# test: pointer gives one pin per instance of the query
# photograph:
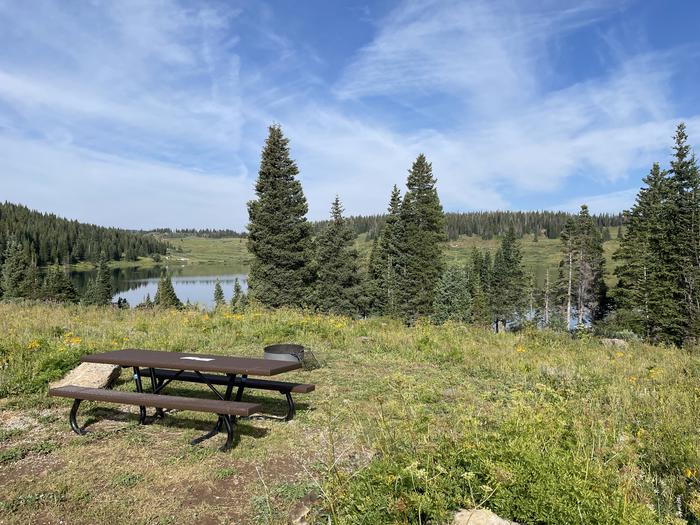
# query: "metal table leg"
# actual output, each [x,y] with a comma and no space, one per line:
[139,389]
[224,420]
[155,387]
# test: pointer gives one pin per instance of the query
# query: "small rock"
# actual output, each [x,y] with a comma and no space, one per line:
[299,511]
[94,375]
[364,339]
[621,343]
[479,517]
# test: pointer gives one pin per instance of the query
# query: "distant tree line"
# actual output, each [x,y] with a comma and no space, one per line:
[486,224]
[47,239]
[193,232]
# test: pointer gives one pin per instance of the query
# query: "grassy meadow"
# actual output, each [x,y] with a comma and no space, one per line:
[226,253]
[406,425]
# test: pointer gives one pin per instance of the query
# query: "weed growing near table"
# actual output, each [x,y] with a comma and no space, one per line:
[406,425]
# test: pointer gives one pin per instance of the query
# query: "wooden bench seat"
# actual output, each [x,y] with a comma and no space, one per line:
[283,387]
[225,409]
[215,406]
[217,379]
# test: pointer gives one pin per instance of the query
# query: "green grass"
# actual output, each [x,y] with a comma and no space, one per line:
[228,252]
[219,255]
[406,425]
[200,254]
[15,453]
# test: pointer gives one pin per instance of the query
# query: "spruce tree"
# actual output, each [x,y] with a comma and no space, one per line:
[219,300]
[386,262]
[338,286]
[644,297]
[146,303]
[508,281]
[373,282]
[452,299]
[279,234]
[14,270]
[32,283]
[237,299]
[165,295]
[582,289]
[478,270]
[58,286]
[684,231]
[99,291]
[423,232]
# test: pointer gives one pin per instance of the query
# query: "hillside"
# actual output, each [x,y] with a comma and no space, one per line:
[537,256]
[406,425]
[50,239]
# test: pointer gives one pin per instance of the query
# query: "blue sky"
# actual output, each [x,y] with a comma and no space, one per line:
[153,113]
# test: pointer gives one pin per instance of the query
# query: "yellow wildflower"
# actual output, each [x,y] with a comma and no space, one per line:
[519,348]
[33,344]
[691,472]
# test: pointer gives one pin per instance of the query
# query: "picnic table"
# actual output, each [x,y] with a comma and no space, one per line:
[212,370]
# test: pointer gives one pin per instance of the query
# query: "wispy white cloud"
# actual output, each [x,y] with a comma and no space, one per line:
[612,202]
[517,134]
[139,73]
[481,52]
[163,108]
[132,193]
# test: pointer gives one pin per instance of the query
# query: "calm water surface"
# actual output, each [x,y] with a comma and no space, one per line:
[192,283]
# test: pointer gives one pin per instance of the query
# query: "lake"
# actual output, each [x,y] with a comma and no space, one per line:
[194,283]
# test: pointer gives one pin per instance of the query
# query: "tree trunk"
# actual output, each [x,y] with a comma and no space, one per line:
[568,294]
[546,299]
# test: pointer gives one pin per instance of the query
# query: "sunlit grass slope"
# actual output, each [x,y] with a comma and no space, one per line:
[406,425]
[537,256]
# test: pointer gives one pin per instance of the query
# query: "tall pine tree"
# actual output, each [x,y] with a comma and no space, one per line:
[58,286]
[644,296]
[279,234]
[165,295]
[99,291]
[14,270]
[386,262]
[684,222]
[338,285]
[659,271]
[452,298]
[219,300]
[423,232]
[582,289]
[239,298]
[508,281]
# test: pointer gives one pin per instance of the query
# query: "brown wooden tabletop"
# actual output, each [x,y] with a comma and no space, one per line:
[199,362]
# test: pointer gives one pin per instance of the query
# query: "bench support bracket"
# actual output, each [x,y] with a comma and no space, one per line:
[73,416]
[229,422]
